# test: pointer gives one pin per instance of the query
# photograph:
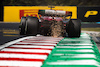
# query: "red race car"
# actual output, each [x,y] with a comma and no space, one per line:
[51,22]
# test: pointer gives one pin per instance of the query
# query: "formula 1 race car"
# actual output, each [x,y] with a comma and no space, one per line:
[51,22]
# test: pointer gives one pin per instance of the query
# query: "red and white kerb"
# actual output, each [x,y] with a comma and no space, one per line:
[27,52]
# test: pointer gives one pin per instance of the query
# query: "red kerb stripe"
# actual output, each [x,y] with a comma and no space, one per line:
[17,66]
[24,52]
[29,48]
[21,59]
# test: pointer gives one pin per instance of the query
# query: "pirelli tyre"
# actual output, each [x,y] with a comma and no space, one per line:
[22,26]
[74,28]
[32,25]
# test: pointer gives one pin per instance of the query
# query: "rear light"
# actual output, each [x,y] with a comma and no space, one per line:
[41,25]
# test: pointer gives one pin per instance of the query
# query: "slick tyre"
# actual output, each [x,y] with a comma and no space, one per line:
[74,28]
[32,25]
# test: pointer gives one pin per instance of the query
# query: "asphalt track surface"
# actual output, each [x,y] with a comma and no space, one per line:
[10,32]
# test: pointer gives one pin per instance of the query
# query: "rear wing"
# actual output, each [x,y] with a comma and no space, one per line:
[58,13]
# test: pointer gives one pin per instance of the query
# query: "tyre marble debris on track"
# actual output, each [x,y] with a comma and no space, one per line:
[40,51]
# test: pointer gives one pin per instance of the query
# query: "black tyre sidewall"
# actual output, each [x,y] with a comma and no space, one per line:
[74,28]
[22,26]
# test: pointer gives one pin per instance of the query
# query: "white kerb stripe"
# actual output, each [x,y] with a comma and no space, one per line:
[48,38]
[29,56]
[86,50]
[20,63]
[62,54]
[39,41]
[30,46]
[76,44]
[36,43]
[87,40]
[75,62]
[45,39]
[27,50]
[74,47]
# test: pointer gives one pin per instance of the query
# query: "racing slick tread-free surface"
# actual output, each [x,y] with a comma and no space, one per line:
[32,25]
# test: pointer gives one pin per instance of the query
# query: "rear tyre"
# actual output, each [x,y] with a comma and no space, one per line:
[32,25]
[22,26]
[74,28]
